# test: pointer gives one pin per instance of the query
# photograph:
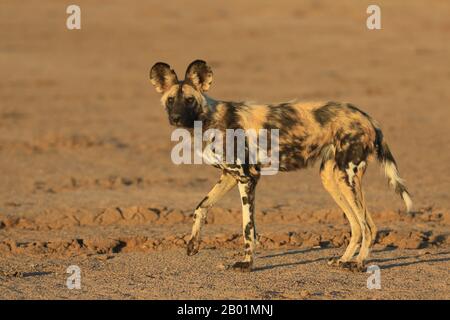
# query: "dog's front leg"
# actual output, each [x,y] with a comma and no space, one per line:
[247,191]
[225,183]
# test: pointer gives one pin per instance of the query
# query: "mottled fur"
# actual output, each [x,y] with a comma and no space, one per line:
[339,135]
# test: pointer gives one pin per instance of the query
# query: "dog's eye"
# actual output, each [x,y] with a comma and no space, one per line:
[170,100]
[189,100]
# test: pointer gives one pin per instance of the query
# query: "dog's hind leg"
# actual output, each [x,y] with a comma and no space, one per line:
[365,218]
[368,217]
[372,226]
[350,185]
[225,184]
[328,175]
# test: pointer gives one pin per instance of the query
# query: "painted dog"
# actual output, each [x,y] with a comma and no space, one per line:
[340,135]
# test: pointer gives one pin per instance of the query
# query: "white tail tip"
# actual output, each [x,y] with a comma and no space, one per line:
[408,201]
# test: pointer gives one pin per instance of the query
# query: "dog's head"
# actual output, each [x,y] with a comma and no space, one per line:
[183,100]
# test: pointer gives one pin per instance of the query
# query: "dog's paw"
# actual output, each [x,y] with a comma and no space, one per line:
[353,266]
[243,266]
[334,262]
[192,247]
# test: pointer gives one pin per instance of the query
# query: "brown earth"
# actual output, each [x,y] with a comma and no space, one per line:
[85,163]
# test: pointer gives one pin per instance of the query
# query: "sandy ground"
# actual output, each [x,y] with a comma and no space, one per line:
[86,174]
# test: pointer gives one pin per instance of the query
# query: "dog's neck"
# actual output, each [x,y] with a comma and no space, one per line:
[211,103]
[211,106]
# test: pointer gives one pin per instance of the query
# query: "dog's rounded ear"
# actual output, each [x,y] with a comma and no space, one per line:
[162,77]
[200,75]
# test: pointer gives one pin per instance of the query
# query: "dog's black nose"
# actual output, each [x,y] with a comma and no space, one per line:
[175,118]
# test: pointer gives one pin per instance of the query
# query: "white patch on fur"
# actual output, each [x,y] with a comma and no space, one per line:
[390,170]
[351,170]
[408,201]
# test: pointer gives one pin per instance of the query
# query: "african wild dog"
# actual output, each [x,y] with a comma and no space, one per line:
[340,135]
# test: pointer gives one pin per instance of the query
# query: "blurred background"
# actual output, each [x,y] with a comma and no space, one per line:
[86,176]
[81,126]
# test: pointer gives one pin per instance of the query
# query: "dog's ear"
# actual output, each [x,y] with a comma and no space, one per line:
[162,77]
[200,75]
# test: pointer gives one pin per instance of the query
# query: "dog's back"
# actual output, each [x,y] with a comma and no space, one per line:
[307,131]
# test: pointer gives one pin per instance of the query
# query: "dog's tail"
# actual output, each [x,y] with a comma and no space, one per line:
[386,158]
